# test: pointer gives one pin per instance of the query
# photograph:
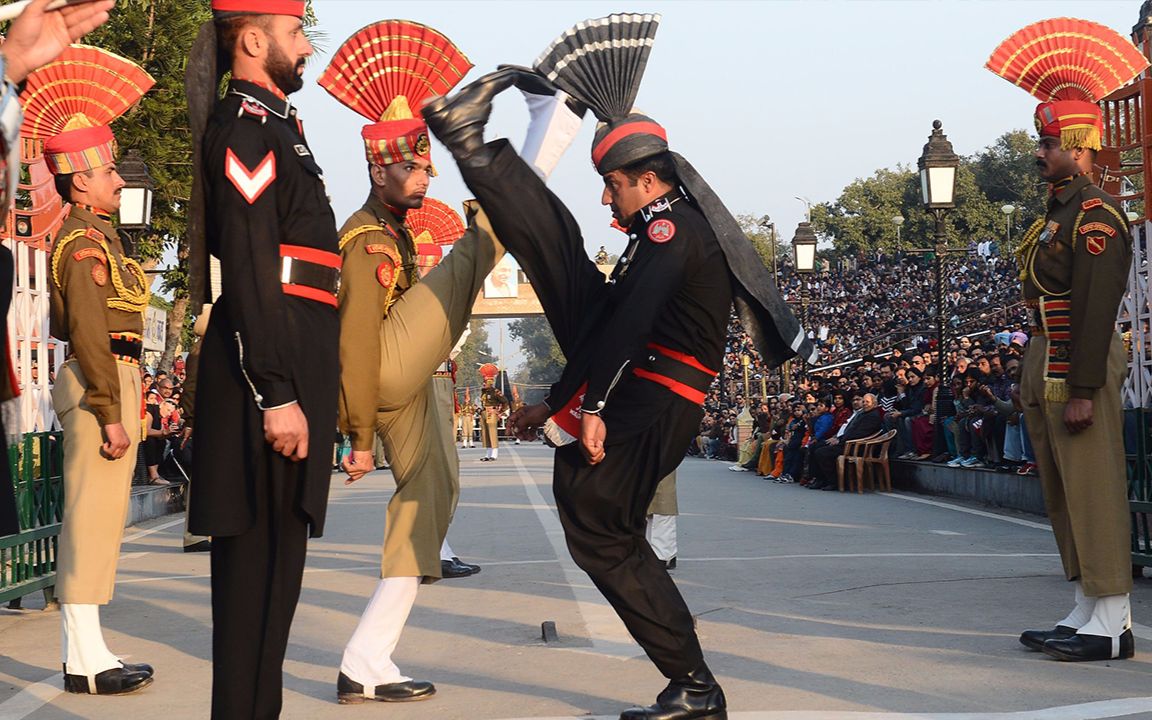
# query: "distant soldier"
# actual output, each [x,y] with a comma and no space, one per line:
[493,406]
[1074,266]
[98,300]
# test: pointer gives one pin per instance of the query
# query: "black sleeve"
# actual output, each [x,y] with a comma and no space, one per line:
[246,176]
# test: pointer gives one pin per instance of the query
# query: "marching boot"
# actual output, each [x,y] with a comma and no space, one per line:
[459,121]
[1066,628]
[1106,636]
[696,696]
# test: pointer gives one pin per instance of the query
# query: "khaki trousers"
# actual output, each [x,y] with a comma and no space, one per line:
[95,489]
[664,501]
[414,421]
[490,430]
[1083,476]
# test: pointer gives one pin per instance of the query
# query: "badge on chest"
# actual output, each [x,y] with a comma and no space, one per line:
[1048,235]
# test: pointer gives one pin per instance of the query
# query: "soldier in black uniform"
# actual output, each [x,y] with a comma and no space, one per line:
[269,373]
[642,352]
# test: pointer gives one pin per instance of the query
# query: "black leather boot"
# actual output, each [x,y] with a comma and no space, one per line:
[697,696]
[1087,648]
[116,681]
[459,121]
[350,692]
[1035,639]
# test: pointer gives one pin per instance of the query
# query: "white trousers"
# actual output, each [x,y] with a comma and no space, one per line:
[368,654]
[661,535]
[551,129]
[446,551]
[493,453]
[82,642]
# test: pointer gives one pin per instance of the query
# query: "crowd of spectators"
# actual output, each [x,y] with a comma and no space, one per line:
[163,444]
[880,370]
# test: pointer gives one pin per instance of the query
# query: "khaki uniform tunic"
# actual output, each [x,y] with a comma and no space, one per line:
[1074,265]
[395,330]
[664,501]
[493,405]
[95,291]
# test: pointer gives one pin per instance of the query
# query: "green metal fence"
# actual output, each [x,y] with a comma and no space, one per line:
[28,558]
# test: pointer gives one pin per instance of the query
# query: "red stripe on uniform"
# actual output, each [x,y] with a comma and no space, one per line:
[312,255]
[688,393]
[310,293]
[685,358]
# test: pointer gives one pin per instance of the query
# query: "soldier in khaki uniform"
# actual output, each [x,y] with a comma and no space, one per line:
[396,331]
[1074,266]
[98,298]
[493,405]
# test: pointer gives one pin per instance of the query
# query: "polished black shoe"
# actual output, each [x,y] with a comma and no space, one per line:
[116,681]
[459,121]
[471,566]
[1086,648]
[670,564]
[1035,639]
[696,696]
[451,569]
[138,667]
[202,546]
[349,692]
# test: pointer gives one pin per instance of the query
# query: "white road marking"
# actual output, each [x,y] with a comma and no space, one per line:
[1086,711]
[145,533]
[852,556]
[944,532]
[1142,631]
[32,698]
[605,630]
[970,511]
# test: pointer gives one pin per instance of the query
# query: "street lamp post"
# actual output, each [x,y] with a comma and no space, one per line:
[897,220]
[136,196]
[1008,210]
[938,166]
[770,227]
[804,258]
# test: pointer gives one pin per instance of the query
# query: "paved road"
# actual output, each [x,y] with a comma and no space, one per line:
[811,605]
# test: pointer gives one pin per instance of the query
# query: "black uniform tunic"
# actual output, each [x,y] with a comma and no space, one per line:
[673,290]
[263,349]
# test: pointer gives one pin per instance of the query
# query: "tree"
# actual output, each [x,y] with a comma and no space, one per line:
[761,238]
[1006,174]
[544,361]
[473,354]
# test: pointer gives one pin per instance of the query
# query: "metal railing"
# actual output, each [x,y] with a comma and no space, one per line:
[28,558]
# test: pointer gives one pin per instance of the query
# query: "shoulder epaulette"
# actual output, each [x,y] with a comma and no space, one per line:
[1091,203]
[62,243]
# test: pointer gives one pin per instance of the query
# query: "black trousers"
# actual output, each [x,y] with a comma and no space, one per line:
[256,580]
[602,507]
[824,463]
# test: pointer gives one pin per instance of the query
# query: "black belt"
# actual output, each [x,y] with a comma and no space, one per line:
[679,372]
[295,271]
[126,347]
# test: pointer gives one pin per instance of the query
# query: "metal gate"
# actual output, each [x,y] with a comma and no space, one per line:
[28,558]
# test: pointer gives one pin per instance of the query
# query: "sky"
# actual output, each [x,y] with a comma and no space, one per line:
[771,101]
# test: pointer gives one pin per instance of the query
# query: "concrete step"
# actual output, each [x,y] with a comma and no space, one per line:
[1003,490]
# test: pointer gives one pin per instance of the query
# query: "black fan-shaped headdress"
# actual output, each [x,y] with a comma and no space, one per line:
[601,63]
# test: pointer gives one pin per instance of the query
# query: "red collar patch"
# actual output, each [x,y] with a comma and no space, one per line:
[661,231]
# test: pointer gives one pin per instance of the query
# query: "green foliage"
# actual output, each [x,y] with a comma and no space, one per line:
[1006,172]
[473,354]
[543,359]
[761,237]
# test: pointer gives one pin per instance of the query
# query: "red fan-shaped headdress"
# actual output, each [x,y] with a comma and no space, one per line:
[1069,65]
[489,371]
[70,103]
[435,222]
[386,70]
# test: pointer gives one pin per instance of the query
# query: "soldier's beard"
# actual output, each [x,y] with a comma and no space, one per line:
[282,71]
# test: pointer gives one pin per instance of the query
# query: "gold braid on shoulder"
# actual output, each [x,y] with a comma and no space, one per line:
[1031,236]
[58,253]
[128,300]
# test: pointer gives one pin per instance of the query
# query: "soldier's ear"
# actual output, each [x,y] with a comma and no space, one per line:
[378,175]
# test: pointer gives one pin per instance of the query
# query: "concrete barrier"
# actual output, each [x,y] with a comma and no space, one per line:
[152,501]
[1003,490]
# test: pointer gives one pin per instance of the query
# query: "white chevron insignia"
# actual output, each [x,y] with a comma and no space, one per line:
[250,183]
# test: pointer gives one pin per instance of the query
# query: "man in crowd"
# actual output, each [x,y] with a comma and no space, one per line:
[867,421]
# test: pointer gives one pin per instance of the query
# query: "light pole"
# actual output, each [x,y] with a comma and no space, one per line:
[804,258]
[937,167]
[770,227]
[136,196]
[1008,210]
[897,220]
